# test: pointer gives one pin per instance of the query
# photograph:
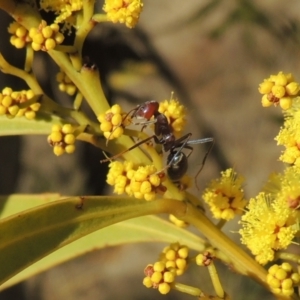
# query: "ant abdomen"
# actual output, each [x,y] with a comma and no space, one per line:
[178,166]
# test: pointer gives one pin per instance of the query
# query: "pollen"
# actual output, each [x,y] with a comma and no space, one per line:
[62,139]
[63,9]
[225,196]
[280,89]
[123,11]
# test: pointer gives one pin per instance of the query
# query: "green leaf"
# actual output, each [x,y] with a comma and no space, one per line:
[19,126]
[15,203]
[129,231]
[30,235]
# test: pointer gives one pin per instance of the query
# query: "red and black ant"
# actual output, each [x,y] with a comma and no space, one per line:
[177,161]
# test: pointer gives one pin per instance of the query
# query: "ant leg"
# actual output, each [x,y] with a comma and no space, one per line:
[129,149]
[108,139]
[201,141]
[209,140]
[131,113]
[145,123]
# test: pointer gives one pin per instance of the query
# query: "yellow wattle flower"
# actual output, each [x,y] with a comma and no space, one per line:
[123,11]
[225,196]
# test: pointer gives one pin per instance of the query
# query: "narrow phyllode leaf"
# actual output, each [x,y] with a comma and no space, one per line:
[19,126]
[15,203]
[29,235]
[142,229]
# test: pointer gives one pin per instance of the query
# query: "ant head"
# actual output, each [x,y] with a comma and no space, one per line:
[147,110]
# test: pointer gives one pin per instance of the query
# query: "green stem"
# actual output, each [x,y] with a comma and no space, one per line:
[288,256]
[77,101]
[221,223]
[27,77]
[183,288]
[28,59]
[95,140]
[86,25]
[240,260]
[87,81]
[76,61]
[49,106]
[222,257]
[194,200]
[66,49]
[100,18]
[215,280]
[88,10]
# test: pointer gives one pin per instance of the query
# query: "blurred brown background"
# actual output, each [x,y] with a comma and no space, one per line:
[212,55]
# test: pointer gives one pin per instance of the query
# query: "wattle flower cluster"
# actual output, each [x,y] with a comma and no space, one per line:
[113,121]
[62,139]
[225,196]
[17,104]
[123,11]
[45,37]
[175,113]
[141,182]
[279,89]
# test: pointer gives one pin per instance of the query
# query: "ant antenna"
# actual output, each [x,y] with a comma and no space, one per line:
[126,150]
[107,158]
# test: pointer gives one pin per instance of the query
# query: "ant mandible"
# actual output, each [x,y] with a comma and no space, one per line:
[177,160]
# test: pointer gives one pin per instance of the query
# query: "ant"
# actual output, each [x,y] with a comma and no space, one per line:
[177,161]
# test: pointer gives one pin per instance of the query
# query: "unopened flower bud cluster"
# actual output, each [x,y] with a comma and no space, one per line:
[20,36]
[282,279]
[175,256]
[279,89]
[206,258]
[62,139]
[65,84]
[141,182]
[10,103]
[113,121]
[159,276]
[45,37]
